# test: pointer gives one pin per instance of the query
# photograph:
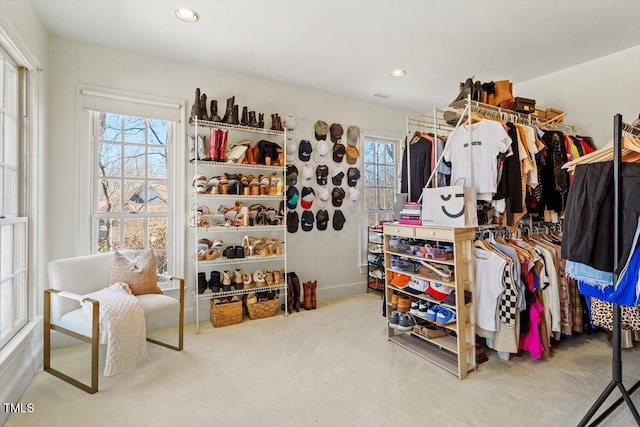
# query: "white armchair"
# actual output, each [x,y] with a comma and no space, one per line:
[69,280]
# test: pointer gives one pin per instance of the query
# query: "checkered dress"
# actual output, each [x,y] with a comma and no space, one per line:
[508,306]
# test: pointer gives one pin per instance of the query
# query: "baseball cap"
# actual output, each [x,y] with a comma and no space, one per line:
[322,172]
[292,197]
[354,195]
[322,219]
[292,221]
[307,174]
[438,290]
[337,196]
[336,132]
[352,155]
[307,197]
[307,221]
[305,150]
[290,123]
[338,220]
[292,148]
[323,197]
[338,152]
[322,149]
[353,175]
[292,175]
[353,133]
[321,128]
[336,176]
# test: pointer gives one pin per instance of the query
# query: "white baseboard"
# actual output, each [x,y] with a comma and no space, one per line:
[19,365]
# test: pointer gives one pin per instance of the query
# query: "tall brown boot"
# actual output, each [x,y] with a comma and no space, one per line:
[290,302]
[313,287]
[307,296]
[296,291]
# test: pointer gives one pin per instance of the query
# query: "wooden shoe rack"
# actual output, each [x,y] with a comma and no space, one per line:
[454,352]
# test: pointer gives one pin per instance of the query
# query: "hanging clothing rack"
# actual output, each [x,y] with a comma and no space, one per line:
[616,375]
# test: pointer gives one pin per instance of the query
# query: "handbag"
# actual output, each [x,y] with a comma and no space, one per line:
[452,206]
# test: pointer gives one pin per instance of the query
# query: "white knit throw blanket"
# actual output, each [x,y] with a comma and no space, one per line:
[122,327]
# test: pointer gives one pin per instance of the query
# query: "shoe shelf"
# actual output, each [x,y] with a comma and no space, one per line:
[249,259]
[375,240]
[237,196]
[238,128]
[455,352]
[211,163]
[208,294]
[248,229]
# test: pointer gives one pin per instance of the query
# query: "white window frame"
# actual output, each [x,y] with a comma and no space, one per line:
[93,98]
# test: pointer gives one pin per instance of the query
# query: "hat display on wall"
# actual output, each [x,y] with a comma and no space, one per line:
[338,220]
[352,155]
[322,172]
[307,174]
[323,197]
[336,176]
[322,219]
[292,221]
[353,134]
[337,196]
[292,197]
[322,149]
[306,222]
[292,175]
[338,152]
[305,150]
[307,196]
[353,175]
[336,132]
[321,129]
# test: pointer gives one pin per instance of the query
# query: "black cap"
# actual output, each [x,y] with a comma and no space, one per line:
[337,178]
[292,175]
[338,220]
[305,150]
[292,197]
[353,175]
[322,172]
[338,152]
[307,221]
[337,196]
[336,131]
[322,219]
[292,221]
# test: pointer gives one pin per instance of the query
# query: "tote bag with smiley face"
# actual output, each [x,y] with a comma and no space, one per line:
[453,206]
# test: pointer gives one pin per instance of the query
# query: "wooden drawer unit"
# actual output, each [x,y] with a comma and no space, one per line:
[399,230]
[434,233]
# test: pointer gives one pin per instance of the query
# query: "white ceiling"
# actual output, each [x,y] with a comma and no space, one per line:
[350,47]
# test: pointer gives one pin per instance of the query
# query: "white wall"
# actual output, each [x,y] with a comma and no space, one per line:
[592,93]
[21,358]
[330,257]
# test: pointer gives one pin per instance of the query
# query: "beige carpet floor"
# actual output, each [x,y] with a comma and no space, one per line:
[328,367]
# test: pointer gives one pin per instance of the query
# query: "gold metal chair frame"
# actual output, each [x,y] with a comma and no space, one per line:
[94,339]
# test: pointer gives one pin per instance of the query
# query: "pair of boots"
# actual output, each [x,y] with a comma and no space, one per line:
[293,292]
[199,108]
[248,118]
[309,301]
[213,283]
[218,144]
[276,122]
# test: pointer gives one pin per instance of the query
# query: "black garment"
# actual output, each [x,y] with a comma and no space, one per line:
[420,168]
[510,184]
[588,222]
[555,180]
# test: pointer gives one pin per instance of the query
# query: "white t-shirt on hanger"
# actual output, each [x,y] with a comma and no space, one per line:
[489,139]
[487,287]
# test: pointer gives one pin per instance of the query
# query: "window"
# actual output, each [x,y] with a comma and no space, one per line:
[14,284]
[131,206]
[380,178]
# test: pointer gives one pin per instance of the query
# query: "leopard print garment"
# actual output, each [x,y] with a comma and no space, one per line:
[602,315]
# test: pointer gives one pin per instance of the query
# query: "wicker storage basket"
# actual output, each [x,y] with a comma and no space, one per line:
[226,314]
[263,309]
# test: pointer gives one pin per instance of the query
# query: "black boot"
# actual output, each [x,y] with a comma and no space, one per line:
[228,115]
[214,111]
[245,116]
[236,117]
[261,120]
[203,107]
[296,291]
[466,89]
[214,282]
[195,108]
[202,282]
[252,119]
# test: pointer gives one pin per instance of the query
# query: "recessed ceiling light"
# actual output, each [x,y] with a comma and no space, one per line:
[398,73]
[187,15]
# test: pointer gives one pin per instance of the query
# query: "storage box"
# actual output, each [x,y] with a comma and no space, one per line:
[226,314]
[262,309]
[524,105]
[552,113]
[541,114]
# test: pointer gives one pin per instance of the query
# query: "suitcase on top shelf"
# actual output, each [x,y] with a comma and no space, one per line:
[524,105]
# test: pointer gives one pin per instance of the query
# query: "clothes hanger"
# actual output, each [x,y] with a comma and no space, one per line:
[630,154]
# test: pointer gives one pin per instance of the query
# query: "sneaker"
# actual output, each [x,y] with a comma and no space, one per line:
[394,319]
[423,306]
[406,323]
[445,316]
[414,308]
[432,312]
